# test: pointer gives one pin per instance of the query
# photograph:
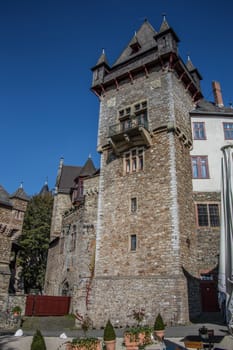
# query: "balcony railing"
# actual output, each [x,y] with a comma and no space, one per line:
[128,124]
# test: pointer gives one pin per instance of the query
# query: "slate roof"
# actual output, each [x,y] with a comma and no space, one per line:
[5,197]
[204,106]
[70,173]
[88,169]
[102,60]
[20,194]
[66,180]
[145,38]
[44,189]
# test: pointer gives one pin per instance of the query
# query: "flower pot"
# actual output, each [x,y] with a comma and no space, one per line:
[89,346]
[131,341]
[159,334]
[110,344]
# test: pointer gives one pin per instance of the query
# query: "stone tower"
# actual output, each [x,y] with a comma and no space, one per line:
[12,211]
[145,240]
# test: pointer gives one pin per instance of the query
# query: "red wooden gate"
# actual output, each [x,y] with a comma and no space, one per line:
[46,305]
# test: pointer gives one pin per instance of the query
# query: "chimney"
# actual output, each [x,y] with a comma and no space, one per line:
[217,94]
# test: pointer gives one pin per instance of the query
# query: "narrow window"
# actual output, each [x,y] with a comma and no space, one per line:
[200,167]
[133,204]
[133,242]
[134,160]
[214,215]
[140,159]
[228,131]
[202,215]
[199,131]
[127,163]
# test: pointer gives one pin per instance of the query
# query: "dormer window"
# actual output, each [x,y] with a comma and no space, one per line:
[135,46]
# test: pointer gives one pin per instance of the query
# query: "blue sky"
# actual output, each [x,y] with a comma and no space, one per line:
[47,49]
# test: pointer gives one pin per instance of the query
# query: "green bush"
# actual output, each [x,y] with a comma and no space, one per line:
[159,324]
[109,332]
[38,342]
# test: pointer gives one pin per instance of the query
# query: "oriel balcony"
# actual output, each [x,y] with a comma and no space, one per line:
[129,133]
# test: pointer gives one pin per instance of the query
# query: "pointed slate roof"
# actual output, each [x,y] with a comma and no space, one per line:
[20,194]
[88,169]
[144,37]
[44,189]
[66,179]
[165,28]
[190,65]
[4,197]
[102,60]
[164,25]
[191,68]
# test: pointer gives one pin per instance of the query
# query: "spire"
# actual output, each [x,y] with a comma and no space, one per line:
[164,25]
[88,169]
[20,193]
[102,59]
[189,64]
[45,188]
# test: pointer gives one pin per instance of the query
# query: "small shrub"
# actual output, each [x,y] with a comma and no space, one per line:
[159,324]
[109,332]
[38,342]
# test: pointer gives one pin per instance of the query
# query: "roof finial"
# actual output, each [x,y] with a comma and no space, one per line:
[21,184]
[89,156]
[164,16]
[103,51]
[46,180]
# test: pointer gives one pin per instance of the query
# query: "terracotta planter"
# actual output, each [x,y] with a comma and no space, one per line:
[110,344]
[144,338]
[131,341]
[70,346]
[159,334]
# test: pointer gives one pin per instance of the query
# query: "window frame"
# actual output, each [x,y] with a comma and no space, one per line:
[226,130]
[197,131]
[133,243]
[133,205]
[134,160]
[210,217]
[199,160]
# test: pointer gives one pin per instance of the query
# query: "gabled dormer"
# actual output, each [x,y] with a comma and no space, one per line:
[142,41]
[166,39]
[78,190]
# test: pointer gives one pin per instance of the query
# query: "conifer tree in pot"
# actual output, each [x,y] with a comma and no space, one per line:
[38,342]
[159,327]
[109,336]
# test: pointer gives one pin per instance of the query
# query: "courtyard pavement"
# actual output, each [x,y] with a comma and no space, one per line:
[174,337]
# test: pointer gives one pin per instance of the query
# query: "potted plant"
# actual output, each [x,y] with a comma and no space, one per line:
[16,310]
[139,335]
[84,343]
[203,332]
[109,336]
[159,327]
[38,341]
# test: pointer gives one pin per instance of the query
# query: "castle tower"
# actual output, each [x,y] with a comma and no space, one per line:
[145,224]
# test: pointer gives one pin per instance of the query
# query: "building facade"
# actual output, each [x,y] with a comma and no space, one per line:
[212,127]
[130,239]
[12,210]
